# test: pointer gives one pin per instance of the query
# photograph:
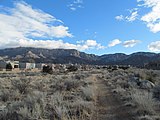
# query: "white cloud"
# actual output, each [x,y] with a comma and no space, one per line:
[78,1]
[75,5]
[73,8]
[148,3]
[24,22]
[132,17]
[60,31]
[94,44]
[53,44]
[120,17]
[130,43]
[80,42]
[50,44]
[90,44]
[152,19]
[28,27]
[154,46]
[114,43]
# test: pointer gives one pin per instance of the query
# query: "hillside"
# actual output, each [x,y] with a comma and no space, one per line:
[64,56]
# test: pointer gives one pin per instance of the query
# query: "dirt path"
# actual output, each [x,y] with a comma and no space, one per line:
[108,105]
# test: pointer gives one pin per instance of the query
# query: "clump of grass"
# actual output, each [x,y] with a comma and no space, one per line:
[88,93]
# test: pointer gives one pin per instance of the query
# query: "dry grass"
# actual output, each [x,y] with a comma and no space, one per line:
[44,96]
[142,101]
[72,96]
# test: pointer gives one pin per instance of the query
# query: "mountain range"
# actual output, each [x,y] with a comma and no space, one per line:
[65,56]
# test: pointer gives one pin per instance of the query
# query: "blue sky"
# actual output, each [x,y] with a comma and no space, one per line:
[99,27]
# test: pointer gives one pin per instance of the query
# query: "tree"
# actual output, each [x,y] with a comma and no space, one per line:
[9,66]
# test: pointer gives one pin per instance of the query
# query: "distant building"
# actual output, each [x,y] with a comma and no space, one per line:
[23,66]
[14,64]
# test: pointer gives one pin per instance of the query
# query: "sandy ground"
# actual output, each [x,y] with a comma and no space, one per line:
[109,106]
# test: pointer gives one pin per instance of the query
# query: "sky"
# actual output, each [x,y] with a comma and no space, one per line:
[91,26]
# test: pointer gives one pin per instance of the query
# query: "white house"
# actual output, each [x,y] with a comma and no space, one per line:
[26,66]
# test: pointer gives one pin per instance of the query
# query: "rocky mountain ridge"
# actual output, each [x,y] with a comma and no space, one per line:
[65,56]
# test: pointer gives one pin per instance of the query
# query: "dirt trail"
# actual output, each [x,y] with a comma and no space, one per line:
[108,105]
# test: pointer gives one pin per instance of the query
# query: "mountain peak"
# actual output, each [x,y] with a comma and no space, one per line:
[30,54]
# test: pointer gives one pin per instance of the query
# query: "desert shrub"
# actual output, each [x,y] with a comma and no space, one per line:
[15,106]
[57,99]
[35,113]
[144,101]
[147,75]
[119,90]
[88,93]
[137,75]
[9,66]
[146,84]
[57,107]
[47,69]
[156,92]
[11,112]
[25,113]
[38,85]
[34,106]
[78,77]
[38,111]
[58,112]
[58,86]
[71,84]
[16,95]
[10,116]
[72,68]
[81,109]
[21,84]
[4,95]
[151,76]
[31,108]
[64,77]
[35,97]
[38,96]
